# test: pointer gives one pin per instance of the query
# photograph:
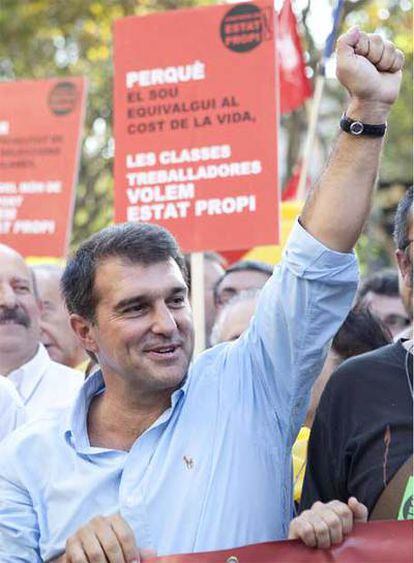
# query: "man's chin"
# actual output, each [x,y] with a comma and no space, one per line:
[14,335]
[168,376]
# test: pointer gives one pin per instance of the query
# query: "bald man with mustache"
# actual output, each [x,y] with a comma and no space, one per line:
[43,385]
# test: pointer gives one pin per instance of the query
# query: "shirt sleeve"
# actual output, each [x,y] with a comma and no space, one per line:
[299,311]
[19,533]
[12,411]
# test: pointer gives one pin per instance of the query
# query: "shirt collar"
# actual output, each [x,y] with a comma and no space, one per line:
[182,390]
[75,423]
[28,376]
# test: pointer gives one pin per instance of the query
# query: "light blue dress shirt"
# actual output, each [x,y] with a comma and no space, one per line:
[214,471]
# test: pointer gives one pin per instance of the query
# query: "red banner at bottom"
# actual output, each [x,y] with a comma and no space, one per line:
[374,541]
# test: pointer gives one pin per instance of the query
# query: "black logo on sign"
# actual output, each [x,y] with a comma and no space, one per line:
[245,26]
[62,98]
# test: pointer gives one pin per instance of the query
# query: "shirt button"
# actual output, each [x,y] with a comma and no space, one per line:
[130,502]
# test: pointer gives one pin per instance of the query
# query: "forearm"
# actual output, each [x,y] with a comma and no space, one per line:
[369,67]
[337,208]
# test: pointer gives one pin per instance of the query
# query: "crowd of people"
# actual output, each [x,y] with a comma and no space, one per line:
[117,445]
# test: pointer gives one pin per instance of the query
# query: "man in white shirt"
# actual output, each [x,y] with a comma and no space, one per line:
[12,412]
[43,385]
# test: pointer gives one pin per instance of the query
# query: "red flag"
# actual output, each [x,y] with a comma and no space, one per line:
[295,87]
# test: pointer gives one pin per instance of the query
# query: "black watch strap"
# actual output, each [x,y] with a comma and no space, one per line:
[357,128]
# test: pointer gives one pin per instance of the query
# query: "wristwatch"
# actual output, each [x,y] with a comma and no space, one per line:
[357,128]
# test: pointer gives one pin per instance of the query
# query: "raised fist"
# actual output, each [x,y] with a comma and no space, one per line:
[369,67]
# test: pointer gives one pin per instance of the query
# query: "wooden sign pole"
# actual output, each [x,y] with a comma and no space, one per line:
[197,301]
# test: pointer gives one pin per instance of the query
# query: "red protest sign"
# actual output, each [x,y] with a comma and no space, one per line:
[195,124]
[40,129]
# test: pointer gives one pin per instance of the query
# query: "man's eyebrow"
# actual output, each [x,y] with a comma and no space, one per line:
[148,297]
[179,289]
[136,300]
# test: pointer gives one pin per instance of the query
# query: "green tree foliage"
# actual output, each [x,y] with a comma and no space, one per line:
[45,38]
[41,38]
[393,19]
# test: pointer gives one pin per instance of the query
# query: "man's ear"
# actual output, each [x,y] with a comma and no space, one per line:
[404,265]
[83,329]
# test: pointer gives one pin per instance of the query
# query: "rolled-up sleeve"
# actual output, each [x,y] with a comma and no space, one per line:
[19,534]
[299,311]
[19,531]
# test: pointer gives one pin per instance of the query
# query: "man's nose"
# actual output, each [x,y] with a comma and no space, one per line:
[163,320]
[7,296]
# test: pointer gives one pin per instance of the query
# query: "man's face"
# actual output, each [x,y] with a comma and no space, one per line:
[56,333]
[405,263]
[19,310]
[236,320]
[143,330]
[212,273]
[389,309]
[235,282]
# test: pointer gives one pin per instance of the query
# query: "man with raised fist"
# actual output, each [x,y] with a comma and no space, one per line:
[162,455]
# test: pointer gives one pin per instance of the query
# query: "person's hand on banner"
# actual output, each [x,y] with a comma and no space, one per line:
[327,524]
[104,539]
[369,67]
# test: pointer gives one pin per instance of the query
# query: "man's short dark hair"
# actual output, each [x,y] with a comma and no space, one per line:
[211,256]
[403,219]
[138,243]
[250,265]
[383,282]
[361,332]
[244,266]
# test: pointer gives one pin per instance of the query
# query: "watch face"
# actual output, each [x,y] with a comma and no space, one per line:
[356,128]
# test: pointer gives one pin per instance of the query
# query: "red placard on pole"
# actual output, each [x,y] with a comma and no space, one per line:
[40,133]
[196,116]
